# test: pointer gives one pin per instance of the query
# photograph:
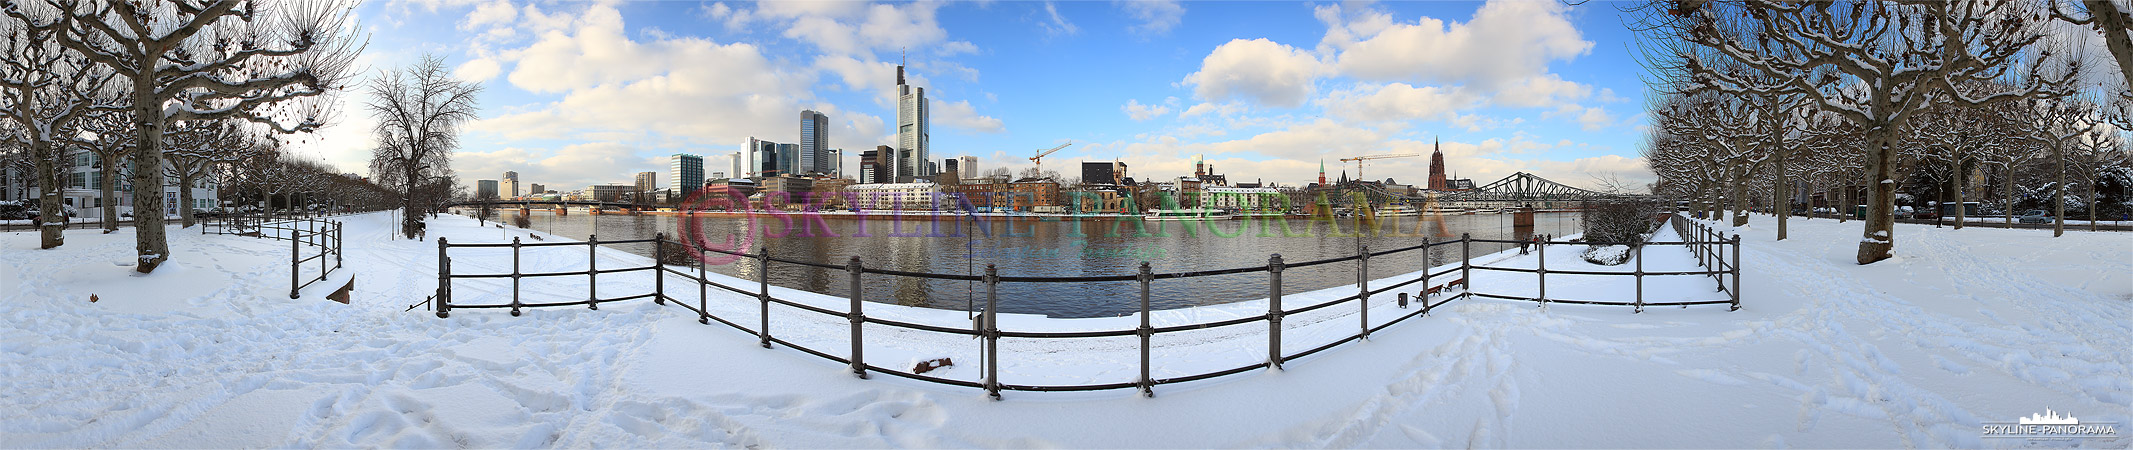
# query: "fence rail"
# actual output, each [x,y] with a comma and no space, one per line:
[324,236]
[986,324]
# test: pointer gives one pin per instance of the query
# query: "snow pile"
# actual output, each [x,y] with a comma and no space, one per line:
[1607,255]
[1972,326]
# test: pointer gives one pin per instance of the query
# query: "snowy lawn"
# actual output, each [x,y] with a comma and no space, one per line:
[1964,327]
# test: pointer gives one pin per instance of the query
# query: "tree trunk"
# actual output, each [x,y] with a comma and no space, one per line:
[1781,197]
[2059,193]
[2092,205]
[1879,234]
[1960,214]
[1740,199]
[2008,178]
[108,187]
[185,198]
[150,246]
[48,181]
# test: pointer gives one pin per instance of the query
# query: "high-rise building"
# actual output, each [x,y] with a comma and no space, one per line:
[762,159]
[647,181]
[535,189]
[484,189]
[870,167]
[948,166]
[789,160]
[685,173]
[508,188]
[814,154]
[738,170]
[969,167]
[911,157]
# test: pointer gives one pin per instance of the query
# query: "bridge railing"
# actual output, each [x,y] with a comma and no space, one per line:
[986,325]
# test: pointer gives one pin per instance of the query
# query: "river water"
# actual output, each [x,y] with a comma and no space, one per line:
[1029,246]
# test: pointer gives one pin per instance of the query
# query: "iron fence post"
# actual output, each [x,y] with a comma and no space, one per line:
[592,271]
[1541,249]
[444,280]
[703,302]
[514,276]
[1362,286]
[1273,311]
[858,317]
[1147,385]
[1639,275]
[1736,273]
[337,238]
[659,268]
[1428,257]
[762,295]
[1466,263]
[992,331]
[293,260]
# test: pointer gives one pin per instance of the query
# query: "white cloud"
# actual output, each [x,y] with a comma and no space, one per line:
[478,70]
[1055,24]
[1505,40]
[1595,119]
[496,12]
[1155,16]
[1541,91]
[1134,109]
[1260,70]
[1398,101]
[961,115]
[1228,108]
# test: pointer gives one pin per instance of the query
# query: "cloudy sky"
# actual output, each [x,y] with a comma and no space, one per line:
[577,93]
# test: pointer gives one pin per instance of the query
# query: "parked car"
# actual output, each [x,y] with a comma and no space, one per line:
[1924,214]
[2035,216]
[68,210]
[1903,212]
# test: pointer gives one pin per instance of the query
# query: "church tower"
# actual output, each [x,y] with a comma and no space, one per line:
[1321,172]
[1436,167]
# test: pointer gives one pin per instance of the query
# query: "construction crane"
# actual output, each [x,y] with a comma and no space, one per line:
[1359,161]
[1039,159]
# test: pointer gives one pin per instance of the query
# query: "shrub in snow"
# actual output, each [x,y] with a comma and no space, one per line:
[1619,220]
[522,221]
[1607,255]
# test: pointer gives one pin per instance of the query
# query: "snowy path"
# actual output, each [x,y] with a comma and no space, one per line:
[1964,327]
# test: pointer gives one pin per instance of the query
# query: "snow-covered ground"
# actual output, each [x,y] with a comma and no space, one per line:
[1962,328]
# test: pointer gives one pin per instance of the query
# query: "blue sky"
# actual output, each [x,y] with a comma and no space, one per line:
[578,93]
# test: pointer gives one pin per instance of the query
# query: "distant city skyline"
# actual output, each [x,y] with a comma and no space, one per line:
[584,93]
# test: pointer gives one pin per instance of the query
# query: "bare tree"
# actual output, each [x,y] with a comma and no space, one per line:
[109,135]
[43,88]
[2108,17]
[1874,62]
[2059,124]
[195,148]
[419,112]
[190,60]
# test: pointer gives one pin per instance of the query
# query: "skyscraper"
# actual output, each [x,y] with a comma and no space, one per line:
[911,158]
[814,143]
[484,189]
[949,166]
[969,167]
[738,166]
[762,159]
[685,172]
[535,189]
[789,160]
[509,187]
[870,168]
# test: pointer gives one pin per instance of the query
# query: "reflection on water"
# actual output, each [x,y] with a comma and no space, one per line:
[1052,247]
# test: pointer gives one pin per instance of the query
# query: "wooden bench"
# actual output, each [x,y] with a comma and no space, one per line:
[1434,290]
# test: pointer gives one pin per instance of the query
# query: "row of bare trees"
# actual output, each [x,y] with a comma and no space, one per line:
[1753,98]
[162,85]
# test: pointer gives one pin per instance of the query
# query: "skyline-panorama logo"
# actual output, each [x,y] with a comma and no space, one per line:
[2050,426]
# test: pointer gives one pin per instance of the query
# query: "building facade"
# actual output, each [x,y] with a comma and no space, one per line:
[508,186]
[895,196]
[685,172]
[646,181]
[485,189]
[814,156]
[535,189]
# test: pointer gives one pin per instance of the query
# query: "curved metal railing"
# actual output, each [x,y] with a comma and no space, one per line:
[986,324]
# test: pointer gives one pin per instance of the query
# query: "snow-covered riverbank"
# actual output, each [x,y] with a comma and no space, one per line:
[1964,327]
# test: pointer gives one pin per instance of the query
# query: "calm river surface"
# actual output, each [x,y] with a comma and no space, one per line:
[1052,247]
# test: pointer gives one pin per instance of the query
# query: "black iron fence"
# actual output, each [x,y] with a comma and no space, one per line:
[321,235]
[1701,242]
